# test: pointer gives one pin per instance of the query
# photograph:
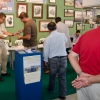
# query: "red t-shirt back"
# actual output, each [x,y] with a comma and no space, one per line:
[88,48]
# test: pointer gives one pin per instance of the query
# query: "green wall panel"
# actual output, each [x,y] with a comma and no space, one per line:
[60,12]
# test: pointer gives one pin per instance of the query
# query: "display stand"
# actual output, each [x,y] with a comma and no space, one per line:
[28,80]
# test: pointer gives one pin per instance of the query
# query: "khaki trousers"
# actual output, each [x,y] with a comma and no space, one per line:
[89,93]
[3,58]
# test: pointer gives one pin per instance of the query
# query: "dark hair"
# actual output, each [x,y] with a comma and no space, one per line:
[2,15]
[51,26]
[77,31]
[22,15]
[57,19]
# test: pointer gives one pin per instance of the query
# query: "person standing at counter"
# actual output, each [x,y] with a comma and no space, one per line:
[76,36]
[29,32]
[3,51]
[63,28]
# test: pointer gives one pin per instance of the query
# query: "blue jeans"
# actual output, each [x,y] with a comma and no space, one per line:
[58,65]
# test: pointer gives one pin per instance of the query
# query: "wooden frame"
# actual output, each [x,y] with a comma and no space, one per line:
[68,13]
[22,7]
[70,23]
[37,10]
[43,25]
[78,16]
[20,0]
[9,22]
[52,1]
[51,11]
[78,3]
[69,3]
[79,26]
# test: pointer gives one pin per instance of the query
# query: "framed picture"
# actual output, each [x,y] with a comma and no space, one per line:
[70,23]
[68,13]
[79,26]
[69,3]
[79,16]
[21,0]
[9,21]
[37,10]
[52,1]
[78,4]
[43,25]
[51,11]
[22,7]
[89,13]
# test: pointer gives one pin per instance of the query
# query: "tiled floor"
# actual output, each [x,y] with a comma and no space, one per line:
[70,97]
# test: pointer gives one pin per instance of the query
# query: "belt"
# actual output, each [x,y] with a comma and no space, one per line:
[59,56]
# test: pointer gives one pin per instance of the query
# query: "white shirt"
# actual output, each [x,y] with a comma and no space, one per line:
[63,28]
[55,45]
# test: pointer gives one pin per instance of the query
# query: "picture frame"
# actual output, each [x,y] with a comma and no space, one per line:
[89,13]
[79,17]
[43,25]
[37,10]
[20,0]
[9,22]
[68,12]
[51,11]
[52,1]
[78,3]
[69,3]
[70,23]
[79,26]
[22,7]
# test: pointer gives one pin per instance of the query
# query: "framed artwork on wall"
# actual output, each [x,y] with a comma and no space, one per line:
[22,7]
[51,11]
[70,23]
[52,1]
[69,3]
[20,0]
[9,22]
[78,16]
[37,10]
[79,26]
[43,25]
[89,13]
[78,4]
[68,13]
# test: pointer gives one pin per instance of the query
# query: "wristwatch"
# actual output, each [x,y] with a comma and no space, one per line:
[79,73]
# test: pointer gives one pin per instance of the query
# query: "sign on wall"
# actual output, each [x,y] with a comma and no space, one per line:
[36,1]
[6,5]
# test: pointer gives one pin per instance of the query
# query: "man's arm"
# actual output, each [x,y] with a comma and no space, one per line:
[73,58]
[27,37]
[46,51]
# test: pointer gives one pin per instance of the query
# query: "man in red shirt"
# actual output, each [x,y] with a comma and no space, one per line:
[87,49]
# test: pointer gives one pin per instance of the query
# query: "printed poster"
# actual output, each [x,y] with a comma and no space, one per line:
[6,6]
[32,69]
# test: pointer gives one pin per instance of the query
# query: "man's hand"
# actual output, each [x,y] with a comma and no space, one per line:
[81,82]
[2,37]
[46,63]
[16,34]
